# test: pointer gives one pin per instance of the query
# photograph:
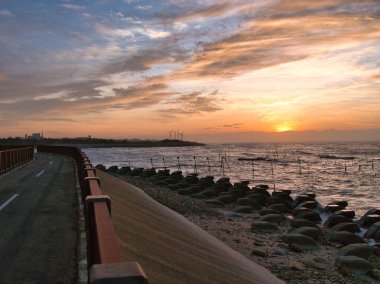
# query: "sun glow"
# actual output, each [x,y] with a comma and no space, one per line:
[283,128]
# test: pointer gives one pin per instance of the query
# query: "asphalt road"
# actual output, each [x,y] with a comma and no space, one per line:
[38,222]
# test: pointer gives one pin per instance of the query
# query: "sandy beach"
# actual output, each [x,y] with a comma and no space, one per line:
[234,230]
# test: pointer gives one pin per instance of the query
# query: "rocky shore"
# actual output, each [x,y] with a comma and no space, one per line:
[295,238]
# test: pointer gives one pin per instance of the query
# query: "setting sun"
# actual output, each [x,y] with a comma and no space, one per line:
[283,128]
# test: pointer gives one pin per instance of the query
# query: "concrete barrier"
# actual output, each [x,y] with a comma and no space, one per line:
[105,259]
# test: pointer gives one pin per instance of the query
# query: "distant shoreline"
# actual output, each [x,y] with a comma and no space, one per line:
[102,143]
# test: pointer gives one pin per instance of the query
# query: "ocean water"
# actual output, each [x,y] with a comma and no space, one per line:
[348,171]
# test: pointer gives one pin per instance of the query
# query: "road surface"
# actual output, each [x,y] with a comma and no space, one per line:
[38,222]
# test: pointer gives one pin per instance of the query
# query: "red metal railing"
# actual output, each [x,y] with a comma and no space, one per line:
[104,256]
[12,157]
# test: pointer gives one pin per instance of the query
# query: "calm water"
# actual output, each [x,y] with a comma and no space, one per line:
[296,166]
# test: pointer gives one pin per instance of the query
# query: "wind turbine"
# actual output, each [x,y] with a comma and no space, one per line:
[170,134]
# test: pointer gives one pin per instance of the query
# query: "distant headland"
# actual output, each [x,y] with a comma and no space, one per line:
[88,142]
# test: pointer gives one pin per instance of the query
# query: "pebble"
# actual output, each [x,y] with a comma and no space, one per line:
[295,265]
[259,252]
[280,251]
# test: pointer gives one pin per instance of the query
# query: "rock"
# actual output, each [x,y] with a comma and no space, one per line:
[273,218]
[243,209]
[302,198]
[353,265]
[261,199]
[332,220]
[296,223]
[215,202]
[331,208]
[100,167]
[348,227]
[283,195]
[368,220]
[226,198]
[223,180]
[191,179]
[311,216]
[124,170]
[114,169]
[197,196]
[233,215]
[344,238]
[375,274]
[373,232]
[314,264]
[295,265]
[259,252]
[280,207]
[341,203]
[185,191]
[299,210]
[259,190]
[280,251]
[264,227]
[298,242]
[359,250]
[247,201]
[209,193]
[311,232]
[278,200]
[346,213]
[309,204]
[222,187]
[267,211]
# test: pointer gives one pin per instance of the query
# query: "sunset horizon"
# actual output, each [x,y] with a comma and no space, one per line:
[123,69]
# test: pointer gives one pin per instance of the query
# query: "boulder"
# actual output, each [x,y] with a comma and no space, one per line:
[368,220]
[223,180]
[195,188]
[243,209]
[375,274]
[311,216]
[209,192]
[341,203]
[331,208]
[262,199]
[353,265]
[100,167]
[309,204]
[373,232]
[246,201]
[222,187]
[349,227]
[273,218]
[279,200]
[280,207]
[346,213]
[114,169]
[332,220]
[360,250]
[259,252]
[191,179]
[299,242]
[134,171]
[302,198]
[299,210]
[283,195]
[215,202]
[185,191]
[124,170]
[264,227]
[197,196]
[310,232]
[226,198]
[267,211]
[344,238]
[146,173]
[297,223]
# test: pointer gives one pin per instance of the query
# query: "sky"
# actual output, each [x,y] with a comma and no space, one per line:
[215,70]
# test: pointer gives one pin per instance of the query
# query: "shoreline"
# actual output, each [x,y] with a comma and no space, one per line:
[267,250]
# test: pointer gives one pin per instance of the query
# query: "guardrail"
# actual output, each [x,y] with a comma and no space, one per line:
[105,259]
[12,157]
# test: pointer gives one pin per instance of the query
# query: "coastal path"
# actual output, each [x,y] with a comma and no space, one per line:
[38,221]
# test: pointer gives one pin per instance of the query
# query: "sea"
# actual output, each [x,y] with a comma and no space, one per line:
[334,171]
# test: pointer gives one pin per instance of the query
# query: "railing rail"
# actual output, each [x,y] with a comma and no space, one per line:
[12,157]
[104,256]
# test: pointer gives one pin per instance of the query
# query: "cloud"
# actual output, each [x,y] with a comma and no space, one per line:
[285,32]
[143,7]
[193,103]
[113,32]
[5,13]
[72,6]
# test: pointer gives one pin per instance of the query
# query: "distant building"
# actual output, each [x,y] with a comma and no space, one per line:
[36,136]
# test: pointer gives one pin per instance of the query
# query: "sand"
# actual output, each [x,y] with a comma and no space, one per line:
[170,248]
